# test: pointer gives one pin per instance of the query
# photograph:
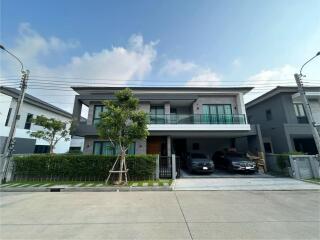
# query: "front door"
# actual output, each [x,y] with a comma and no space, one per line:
[157,145]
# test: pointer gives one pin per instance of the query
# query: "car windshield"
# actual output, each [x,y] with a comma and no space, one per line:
[235,154]
[198,155]
[237,157]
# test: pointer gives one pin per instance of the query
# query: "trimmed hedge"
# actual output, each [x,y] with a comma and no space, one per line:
[80,167]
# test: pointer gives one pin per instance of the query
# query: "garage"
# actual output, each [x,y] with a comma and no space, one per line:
[186,149]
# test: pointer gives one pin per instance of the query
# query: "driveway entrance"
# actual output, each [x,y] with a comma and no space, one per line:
[223,174]
[243,184]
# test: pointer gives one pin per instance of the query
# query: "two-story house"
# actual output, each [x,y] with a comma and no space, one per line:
[31,107]
[181,119]
[283,121]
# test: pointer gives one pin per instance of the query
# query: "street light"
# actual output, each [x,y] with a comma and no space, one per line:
[7,152]
[3,48]
[318,54]
[312,124]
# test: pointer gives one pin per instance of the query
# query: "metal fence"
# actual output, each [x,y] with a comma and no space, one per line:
[168,165]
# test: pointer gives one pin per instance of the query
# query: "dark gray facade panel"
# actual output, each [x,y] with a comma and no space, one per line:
[22,145]
[274,128]
[284,124]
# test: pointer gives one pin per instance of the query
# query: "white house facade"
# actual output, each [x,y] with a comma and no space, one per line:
[31,108]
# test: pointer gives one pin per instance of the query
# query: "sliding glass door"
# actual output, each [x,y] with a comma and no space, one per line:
[216,113]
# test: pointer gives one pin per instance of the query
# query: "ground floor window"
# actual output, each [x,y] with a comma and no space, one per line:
[267,147]
[106,148]
[42,149]
[305,145]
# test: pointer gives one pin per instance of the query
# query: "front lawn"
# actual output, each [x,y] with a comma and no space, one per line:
[313,180]
[145,183]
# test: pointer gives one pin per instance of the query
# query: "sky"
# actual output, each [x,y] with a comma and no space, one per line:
[158,43]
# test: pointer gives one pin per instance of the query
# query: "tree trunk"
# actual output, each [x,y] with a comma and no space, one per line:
[51,148]
[122,160]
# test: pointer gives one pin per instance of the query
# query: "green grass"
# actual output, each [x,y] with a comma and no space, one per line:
[51,183]
[151,182]
[313,180]
[95,183]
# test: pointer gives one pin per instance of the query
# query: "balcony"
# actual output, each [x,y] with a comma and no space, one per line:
[197,119]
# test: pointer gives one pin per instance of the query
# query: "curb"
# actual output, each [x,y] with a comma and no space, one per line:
[86,189]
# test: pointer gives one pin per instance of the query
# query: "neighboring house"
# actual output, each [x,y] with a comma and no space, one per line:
[31,107]
[283,121]
[182,120]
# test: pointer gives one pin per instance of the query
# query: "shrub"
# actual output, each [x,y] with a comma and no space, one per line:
[282,161]
[80,167]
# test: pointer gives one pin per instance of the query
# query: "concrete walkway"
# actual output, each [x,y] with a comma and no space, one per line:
[244,184]
[161,215]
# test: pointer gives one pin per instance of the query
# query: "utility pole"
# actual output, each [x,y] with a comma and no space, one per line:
[312,123]
[9,146]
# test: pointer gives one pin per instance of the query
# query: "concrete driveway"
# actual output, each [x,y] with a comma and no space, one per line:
[243,184]
[161,215]
[223,174]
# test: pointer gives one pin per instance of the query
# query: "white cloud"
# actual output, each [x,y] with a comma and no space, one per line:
[30,44]
[268,79]
[196,74]
[177,66]
[204,78]
[117,65]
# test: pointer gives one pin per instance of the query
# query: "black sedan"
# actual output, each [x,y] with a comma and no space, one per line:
[234,161]
[198,162]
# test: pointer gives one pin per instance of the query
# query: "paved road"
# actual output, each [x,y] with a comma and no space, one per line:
[161,215]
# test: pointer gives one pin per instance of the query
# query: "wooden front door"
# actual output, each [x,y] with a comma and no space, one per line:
[157,145]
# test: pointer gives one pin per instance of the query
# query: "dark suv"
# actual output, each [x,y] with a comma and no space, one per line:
[234,161]
[199,162]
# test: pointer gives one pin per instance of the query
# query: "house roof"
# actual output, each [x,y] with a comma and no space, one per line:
[277,90]
[81,89]
[34,101]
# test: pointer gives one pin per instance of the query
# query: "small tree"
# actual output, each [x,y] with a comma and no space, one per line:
[53,130]
[122,123]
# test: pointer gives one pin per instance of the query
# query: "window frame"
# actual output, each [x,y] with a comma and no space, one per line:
[8,117]
[216,106]
[268,113]
[156,118]
[114,150]
[217,113]
[96,120]
[28,123]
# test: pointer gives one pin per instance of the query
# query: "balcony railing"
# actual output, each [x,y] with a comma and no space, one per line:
[197,119]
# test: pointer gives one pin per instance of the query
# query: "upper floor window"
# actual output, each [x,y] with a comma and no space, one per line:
[217,109]
[157,114]
[268,115]
[157,110]
[96,113]
[300,113]
[215,113]
[28,122]
[8,117]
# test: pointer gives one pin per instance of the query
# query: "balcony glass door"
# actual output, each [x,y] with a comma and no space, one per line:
[157,115]
[216,113]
